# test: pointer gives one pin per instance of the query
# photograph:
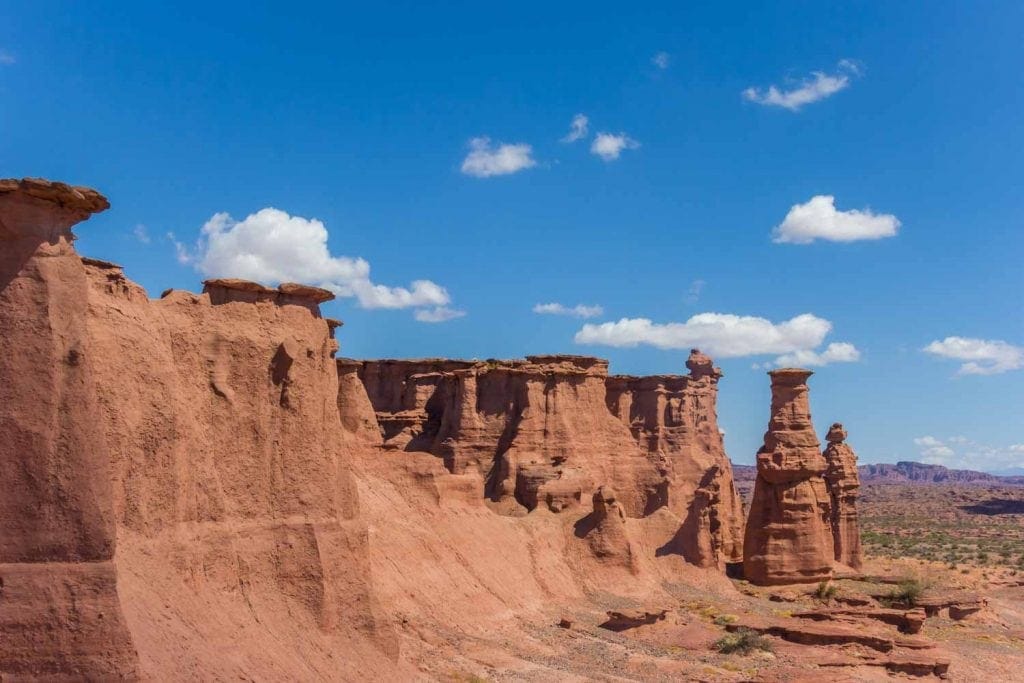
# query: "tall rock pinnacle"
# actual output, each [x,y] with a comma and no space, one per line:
[788,537]
[843,487]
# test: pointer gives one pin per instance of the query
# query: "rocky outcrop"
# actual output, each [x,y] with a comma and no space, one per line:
[843,488]
[605,531]
[549,430]
[180,456]
[59,610]
[230,463]
[674,418]
[788,537]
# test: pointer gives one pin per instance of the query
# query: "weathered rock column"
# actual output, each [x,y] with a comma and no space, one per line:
[843,486]
[788,537]
[60,617]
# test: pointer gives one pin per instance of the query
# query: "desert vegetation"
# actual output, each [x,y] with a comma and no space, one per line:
[962,526]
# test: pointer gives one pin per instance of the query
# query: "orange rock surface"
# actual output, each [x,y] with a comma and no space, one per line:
[843,487]
[788,535]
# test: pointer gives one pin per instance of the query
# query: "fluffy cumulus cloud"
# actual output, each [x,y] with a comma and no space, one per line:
[578,128]
[980,356]
[963,453]
[661,60]
[724,336]
[578,311]
[271,246]
[807,91]
[485,160]
[819,219]
[609,146]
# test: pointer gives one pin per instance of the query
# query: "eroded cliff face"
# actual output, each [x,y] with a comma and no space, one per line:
[198,488]
[674,418]
[59,609]
[843,487]
[550,430]
[788,535]
[230,465]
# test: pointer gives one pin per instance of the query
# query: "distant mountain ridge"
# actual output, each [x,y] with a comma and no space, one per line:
[904,472]
[919,472]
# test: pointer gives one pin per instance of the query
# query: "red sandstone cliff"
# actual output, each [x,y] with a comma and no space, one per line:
[550,430]
[674,418]
[199,489]
[59,609]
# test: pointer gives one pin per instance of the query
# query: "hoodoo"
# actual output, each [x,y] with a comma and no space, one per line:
[788,536]
[843,487]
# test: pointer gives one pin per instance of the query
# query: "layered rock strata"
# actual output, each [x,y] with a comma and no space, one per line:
[788,536]
[843,487]
[549,430]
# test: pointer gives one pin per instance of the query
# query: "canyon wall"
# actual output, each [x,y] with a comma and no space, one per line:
[550,430]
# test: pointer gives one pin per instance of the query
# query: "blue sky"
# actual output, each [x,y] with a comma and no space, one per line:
[430,144]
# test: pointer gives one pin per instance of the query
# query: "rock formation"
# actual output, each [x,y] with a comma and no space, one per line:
[195,487]
[186,446]
[843,487]
[550,430]
[788,537]
[674,418]
[59,610]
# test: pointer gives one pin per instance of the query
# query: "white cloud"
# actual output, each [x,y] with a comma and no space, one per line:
[661,60]
[484,161]
[181,251]
[837,352]
[579,310]
[983,356]
[578,129]
[719,334]
[609,146]
[141,234]
[438,314]
[819,219]
[962,453]
[819,86]
[6,58]
[694,292]
[271,246]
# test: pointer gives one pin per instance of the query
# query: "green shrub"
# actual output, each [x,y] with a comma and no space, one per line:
[825,591]
[907,592]
[743,641]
